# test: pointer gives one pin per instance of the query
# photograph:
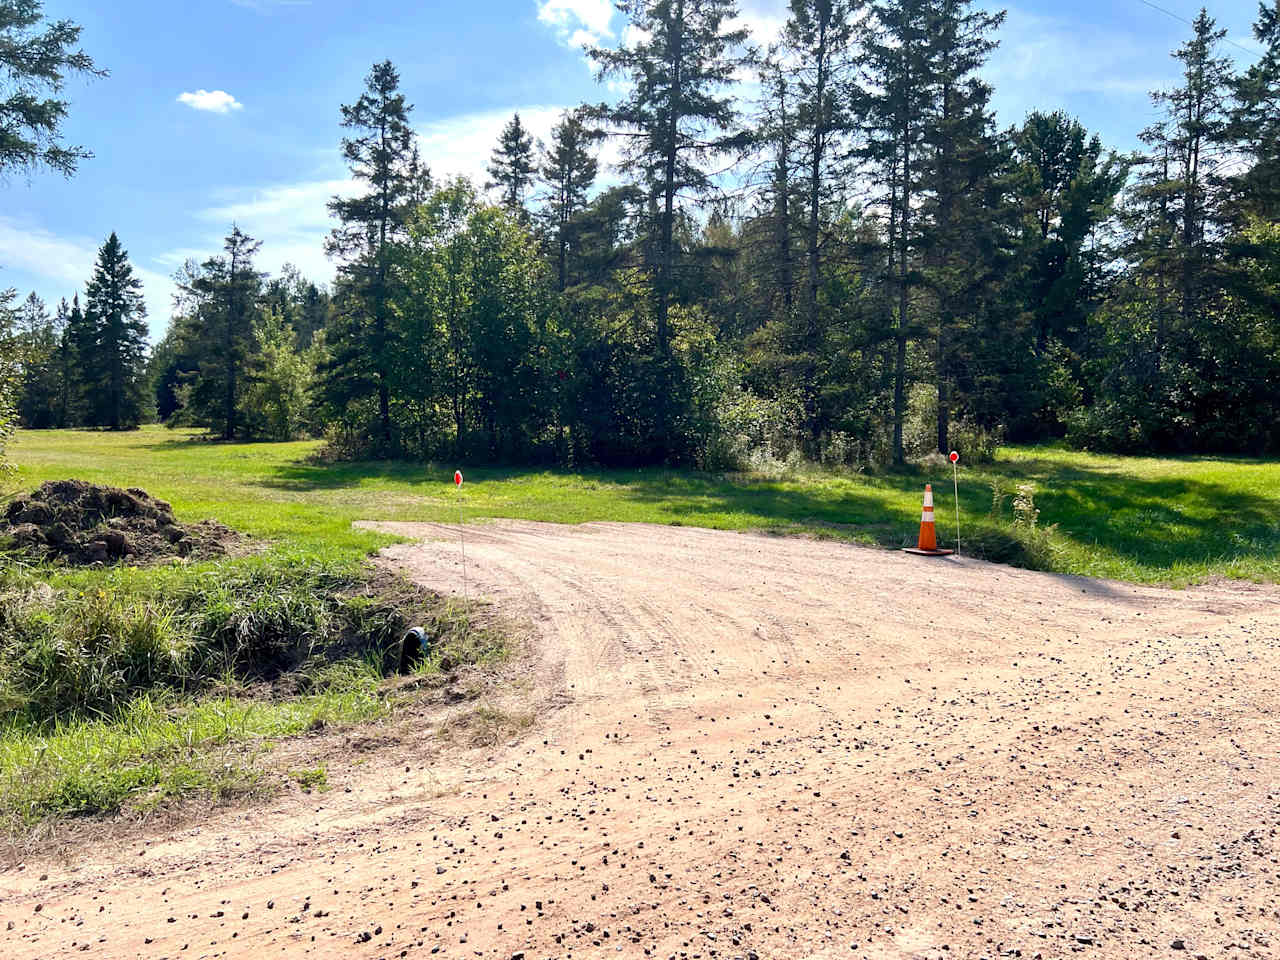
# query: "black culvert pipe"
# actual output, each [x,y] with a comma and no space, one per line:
[413,648]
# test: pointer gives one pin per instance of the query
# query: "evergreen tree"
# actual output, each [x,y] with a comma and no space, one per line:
[219,335]
[36,57]
[779,191]
[1067,186]
[818,43]
[898,59]
[1255,121]
[64,363]
[965,179]
[365,347]
[80,351]
[38,355]
[1191,138]
[115,311]
[9,374]
[512,167]
[678,113]
[568,171]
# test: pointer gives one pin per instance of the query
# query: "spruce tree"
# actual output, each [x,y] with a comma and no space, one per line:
[9,374]
[568,171]
[37,56]
[115,311]
[776,135]
[381,152]
[1254,126]
[966,179]
[38,355]
[818,42]
[80,352]
[677,115]
[219,336]
[64,409]
[898,60]
[512,166]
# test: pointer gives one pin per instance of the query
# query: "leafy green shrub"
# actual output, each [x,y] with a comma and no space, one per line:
[1108,426]
[975,444]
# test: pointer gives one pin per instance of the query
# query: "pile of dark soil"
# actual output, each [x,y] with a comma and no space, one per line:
[83,523]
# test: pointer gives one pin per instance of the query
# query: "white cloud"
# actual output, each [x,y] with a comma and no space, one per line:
[61,266]
[212,101]
[292,219]
[764,21]
[578,22]
[461,145]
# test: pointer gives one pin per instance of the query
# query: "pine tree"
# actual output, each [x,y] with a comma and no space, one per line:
[365,348]
[818,41]
[38,354]
[968,215]
[115,311]
[677,115]
[1255,122]
[219,335]
[511,166]
[898,59]
[36,57]
[568,171]
[1192,138]
[80,350]
[1068,185]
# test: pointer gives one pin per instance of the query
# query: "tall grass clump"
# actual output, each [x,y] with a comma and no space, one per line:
[88,653]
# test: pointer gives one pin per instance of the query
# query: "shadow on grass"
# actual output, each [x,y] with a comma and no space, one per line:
[1153,523]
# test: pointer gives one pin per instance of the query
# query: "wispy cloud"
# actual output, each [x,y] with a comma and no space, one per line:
[211,101]
[1044,62]
[578,22]
[61,266]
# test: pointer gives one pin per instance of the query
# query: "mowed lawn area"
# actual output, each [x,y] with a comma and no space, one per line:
[1142,519]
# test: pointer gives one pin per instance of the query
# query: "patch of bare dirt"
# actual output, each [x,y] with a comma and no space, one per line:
[75,522]
[751,746]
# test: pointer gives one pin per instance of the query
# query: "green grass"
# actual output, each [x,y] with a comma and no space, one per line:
[141,653]
[155,750]
[1150,520]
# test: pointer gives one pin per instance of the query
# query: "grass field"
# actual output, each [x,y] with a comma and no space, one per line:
[77,739]
[1141,519]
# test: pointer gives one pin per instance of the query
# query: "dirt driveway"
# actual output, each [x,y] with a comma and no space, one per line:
[750,746]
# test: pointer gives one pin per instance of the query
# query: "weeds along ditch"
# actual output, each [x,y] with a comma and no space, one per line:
[130,685]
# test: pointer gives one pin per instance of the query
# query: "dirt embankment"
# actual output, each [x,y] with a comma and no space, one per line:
[761,747]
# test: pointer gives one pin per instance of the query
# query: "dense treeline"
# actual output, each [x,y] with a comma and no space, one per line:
[826,247]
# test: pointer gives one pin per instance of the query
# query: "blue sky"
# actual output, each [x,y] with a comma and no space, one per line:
[222,110]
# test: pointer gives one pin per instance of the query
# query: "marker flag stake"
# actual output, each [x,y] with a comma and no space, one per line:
[462,540]
[955,480]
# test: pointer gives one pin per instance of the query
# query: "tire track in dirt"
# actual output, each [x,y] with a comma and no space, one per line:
[763,747]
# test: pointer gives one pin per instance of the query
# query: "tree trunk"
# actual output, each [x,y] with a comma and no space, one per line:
[900,365]
[944,392]
[666,251]
[815,199]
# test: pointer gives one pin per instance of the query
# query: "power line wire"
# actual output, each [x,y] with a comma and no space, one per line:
[1170,13]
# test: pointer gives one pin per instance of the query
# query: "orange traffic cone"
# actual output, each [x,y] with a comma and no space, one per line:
[927,545]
